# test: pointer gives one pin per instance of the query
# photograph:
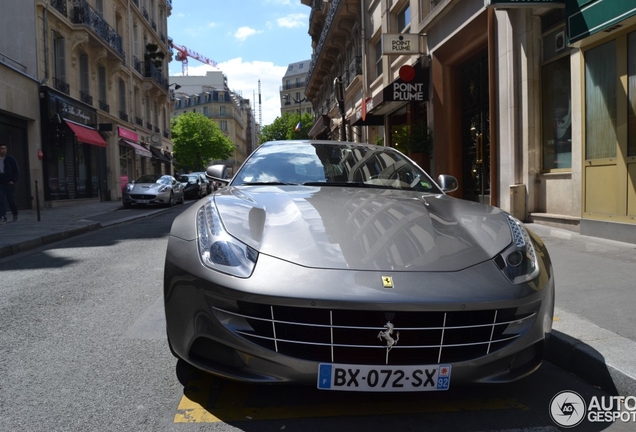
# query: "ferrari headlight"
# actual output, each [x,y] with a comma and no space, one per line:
[163,188]
[219,250]
[129,187]
[519,262]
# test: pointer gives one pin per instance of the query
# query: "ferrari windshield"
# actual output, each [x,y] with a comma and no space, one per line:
[327,164]
[154,178]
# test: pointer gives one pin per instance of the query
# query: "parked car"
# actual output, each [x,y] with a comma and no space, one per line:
[153,189]
[208,183]
[194,186]
[347,266]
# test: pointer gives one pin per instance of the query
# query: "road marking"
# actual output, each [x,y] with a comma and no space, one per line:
[217,402]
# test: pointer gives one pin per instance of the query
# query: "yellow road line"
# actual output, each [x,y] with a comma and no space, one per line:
[229,407]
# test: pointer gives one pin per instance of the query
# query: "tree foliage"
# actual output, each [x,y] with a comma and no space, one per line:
[197,141]
[284,127]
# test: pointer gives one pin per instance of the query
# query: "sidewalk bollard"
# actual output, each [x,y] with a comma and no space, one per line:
[37,200]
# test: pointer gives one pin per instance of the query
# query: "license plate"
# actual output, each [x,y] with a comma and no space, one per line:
[369,378]
[143,201]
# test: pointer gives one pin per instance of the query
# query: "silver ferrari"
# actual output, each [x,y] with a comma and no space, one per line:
[346,266]
[153,189]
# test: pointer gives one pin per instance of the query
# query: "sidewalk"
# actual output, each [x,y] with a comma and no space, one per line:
[594,329]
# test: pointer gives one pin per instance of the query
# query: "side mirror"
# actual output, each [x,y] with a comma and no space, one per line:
[447,183]
[217,173]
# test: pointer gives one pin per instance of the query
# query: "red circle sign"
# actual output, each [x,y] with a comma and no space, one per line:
[40,154]
[407,73]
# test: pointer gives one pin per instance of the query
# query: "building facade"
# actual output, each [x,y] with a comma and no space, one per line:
[210,96]
[292,90]
[518,95]
[102,96]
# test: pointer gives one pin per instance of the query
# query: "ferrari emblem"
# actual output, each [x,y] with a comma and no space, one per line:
[387,281]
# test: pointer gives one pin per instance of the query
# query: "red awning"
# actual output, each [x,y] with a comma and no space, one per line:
[139,149]
[86,135]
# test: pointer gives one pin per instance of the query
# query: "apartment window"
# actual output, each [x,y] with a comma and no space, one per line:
[156,113]
[148,114]
[404,18]
[557,114]
[222,111]
[59,54]
[122,96]
[83,73]
[221,97]
[206,111]
[378,58]
[223,125]
[99,7]
[101,83]
[600,101]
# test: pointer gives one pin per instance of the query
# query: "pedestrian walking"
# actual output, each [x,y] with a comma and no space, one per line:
[9,174]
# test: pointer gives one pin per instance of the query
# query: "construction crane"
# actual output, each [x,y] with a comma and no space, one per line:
[182,55]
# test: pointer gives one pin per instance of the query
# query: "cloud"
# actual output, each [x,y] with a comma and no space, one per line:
[244,32]
[243,78]
[293,21]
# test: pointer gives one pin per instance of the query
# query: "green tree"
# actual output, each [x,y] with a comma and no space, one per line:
[284,127]
[197,141]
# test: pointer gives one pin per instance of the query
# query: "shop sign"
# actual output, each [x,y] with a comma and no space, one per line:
[128,134]
[411,86]
[403,43]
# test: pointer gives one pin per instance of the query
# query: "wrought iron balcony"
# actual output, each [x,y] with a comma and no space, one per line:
[86,98]
[136,2]
[149,126]
[85,14]
[145,13]
[60,6]
[137,64]
[61,86]
[323,37]
[355,69]
[139,121]
[123,116]
[103,106]
[151,71]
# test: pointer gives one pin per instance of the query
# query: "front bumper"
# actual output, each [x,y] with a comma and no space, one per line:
[215,322]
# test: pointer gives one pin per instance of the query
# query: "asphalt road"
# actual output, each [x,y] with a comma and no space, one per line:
[82,348]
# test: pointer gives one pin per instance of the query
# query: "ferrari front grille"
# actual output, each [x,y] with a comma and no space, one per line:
[345,336]
[143,196]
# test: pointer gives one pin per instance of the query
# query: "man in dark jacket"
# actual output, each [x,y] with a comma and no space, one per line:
[9,174]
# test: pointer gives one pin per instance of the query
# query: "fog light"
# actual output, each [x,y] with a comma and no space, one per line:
[515,258]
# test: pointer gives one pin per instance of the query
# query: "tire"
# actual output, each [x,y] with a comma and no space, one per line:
[171,202]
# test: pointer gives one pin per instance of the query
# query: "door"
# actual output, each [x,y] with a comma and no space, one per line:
[475,130]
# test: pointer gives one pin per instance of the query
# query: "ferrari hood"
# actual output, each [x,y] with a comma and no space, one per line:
[363,229]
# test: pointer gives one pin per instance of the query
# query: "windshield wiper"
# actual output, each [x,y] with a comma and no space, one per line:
[272,183]
[345,184]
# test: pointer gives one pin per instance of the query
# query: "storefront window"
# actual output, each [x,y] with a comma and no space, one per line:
[631,114]
[557,115]
[600,102]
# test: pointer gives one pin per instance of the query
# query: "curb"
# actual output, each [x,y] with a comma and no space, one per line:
[14,249]
[598,356]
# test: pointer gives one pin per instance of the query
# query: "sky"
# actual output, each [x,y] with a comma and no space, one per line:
[250,40]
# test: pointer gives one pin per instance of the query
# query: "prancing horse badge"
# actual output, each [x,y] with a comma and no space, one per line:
[387,281]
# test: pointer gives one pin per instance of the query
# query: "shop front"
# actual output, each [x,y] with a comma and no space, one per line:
[73,151]
[133,157]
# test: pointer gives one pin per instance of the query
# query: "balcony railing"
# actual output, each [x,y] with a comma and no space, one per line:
[103,106]
[166,134]
[151,71]
[123,116]
[355,69]
[145,13]
[60,6]
[153,24]
[323,37]
[139,121]
[85,14]
[149,126]
[136,2]
[86,98]
[61,86]
[137,64]
[293,86]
